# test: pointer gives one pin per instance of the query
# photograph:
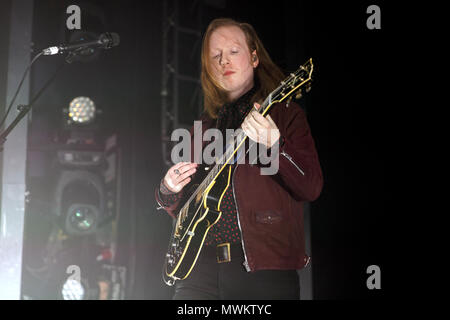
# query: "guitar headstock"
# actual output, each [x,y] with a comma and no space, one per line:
[296,83]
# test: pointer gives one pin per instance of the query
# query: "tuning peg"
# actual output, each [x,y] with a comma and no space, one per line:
[288,101]
[308,87]
[298,95]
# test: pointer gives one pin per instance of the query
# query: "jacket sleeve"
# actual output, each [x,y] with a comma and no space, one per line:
[169,203]
[299,167]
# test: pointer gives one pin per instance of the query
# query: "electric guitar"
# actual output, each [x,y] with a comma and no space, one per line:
[201,210]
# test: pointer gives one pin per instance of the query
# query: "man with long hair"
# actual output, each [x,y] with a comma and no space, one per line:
[261,225]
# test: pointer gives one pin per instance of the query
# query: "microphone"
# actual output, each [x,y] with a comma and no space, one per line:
[105,40]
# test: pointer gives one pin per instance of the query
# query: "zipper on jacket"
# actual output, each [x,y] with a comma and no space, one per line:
[292,161]
[247,267]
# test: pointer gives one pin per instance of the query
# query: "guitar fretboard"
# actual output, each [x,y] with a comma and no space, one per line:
[294,82]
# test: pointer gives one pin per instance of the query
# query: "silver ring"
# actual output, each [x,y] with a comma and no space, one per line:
[177,171]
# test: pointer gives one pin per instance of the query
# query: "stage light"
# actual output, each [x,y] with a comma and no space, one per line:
[81,219]
[73,290]
[82,110]
[79,202]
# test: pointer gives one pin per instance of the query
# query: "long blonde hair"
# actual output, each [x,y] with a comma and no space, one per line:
[267,74]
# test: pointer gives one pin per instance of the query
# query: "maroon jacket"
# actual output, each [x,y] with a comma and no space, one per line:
[270,207]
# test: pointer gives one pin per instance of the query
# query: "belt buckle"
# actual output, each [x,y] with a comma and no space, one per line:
[223,248]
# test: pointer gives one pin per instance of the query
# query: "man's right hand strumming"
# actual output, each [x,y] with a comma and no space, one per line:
[177,177]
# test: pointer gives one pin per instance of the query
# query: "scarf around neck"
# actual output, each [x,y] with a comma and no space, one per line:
[232,114]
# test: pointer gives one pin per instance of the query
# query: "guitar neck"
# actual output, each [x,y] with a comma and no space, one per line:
[238,139]
[292,84]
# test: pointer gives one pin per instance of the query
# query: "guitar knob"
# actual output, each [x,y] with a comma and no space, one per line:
[308,87]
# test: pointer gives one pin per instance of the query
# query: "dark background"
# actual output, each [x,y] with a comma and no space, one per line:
[344,107]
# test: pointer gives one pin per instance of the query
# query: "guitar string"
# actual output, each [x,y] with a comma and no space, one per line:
[268,101]
[284,84]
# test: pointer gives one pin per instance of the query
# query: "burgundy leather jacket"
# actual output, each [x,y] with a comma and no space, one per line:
[270,207]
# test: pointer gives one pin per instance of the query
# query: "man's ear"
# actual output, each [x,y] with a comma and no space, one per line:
[255,59]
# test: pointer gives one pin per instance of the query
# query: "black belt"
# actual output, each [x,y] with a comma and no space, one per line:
[224,252]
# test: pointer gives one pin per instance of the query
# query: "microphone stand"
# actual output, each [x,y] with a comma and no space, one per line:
[74,53]
[24,109]
[107,39]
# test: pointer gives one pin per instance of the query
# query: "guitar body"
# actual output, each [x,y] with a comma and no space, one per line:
[192,226]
